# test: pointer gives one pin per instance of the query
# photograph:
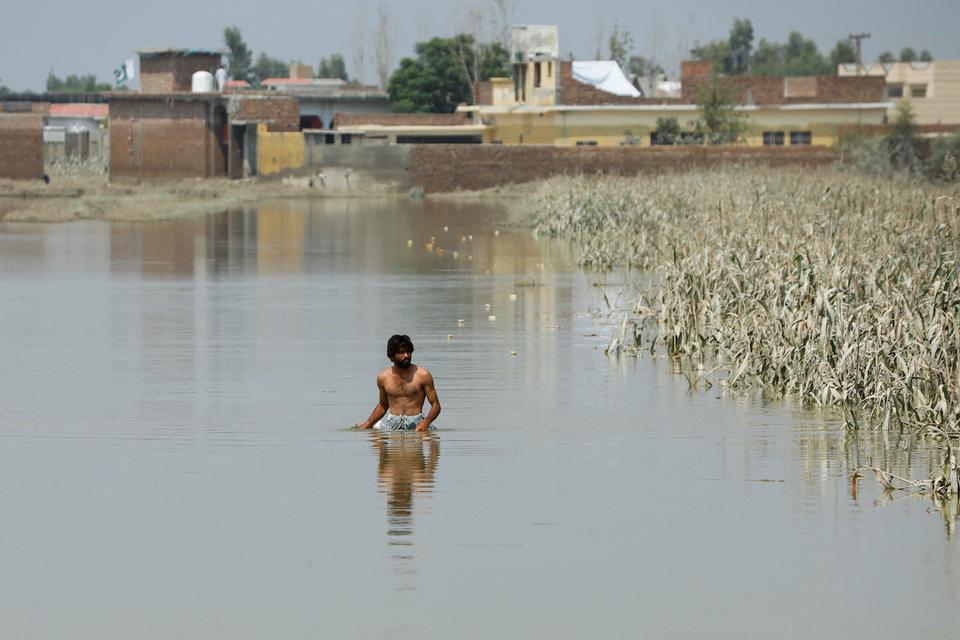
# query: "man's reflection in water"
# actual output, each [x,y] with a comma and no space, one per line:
[407,463]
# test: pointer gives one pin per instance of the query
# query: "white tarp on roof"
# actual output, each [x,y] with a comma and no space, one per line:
[605,75]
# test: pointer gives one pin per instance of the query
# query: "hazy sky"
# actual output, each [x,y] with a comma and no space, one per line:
[95,36]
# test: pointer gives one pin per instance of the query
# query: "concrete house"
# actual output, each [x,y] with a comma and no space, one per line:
[931,88]
[587,103]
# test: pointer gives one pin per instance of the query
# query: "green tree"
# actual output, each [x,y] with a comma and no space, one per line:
[740,45]
[843,53]
[443,73]
[494,61]
[332,67]
[768,59]
[620,43]
[904,142]
[925,56]
[267,67]
[717,52]
[886,57]
[86,83]
[907,54]
[719,120]
[667,131]
[4,89]
[643,67]
[435,81]
[802,58]
[240,58]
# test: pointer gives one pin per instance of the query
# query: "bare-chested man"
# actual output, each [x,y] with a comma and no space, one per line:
[403,388]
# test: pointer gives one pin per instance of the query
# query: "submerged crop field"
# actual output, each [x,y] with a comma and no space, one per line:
[832,287]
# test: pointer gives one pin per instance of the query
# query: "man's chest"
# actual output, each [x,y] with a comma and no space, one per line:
[399,387]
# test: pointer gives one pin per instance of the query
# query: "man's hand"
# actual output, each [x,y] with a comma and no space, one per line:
[423,426]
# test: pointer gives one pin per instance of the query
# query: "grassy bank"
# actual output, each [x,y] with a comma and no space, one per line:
[832,287]
[93,198]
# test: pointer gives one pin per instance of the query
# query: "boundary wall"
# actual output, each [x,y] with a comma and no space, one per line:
[439,168]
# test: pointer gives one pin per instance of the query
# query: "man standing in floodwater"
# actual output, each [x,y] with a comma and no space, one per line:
[403,388]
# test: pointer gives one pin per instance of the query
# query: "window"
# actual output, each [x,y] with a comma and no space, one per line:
[345,138]
[660,139]
[918,91]
[586,143]
[895,90]
[536,74]
[800,137]
[774,138]
[690,137]
[549,69]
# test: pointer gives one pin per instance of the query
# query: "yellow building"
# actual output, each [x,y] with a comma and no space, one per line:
[932,88]
[559,102]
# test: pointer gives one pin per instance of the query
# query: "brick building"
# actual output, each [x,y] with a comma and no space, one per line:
[167,131]
[21,140]
[171,70]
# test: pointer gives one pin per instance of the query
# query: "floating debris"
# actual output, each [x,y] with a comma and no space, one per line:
[492,318]
[409,243]
[513,353]
[513,296]
[460,322]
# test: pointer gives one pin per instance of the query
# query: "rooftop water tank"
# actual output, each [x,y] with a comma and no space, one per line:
[202,82]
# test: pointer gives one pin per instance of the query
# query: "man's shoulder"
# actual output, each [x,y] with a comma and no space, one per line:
[383,374]
[423,372]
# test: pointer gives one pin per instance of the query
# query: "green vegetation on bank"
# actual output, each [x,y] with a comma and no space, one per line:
[838,289]
[903,152]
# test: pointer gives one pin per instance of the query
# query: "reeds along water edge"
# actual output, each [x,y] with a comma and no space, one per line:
[833,287]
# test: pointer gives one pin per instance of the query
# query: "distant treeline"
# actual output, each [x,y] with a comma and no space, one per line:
[798,56]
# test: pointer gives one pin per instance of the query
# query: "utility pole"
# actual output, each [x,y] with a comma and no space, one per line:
[857,37]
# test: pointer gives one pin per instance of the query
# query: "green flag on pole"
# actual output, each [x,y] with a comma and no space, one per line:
[124,73]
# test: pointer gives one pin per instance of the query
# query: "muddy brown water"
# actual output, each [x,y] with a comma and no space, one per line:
[175,460]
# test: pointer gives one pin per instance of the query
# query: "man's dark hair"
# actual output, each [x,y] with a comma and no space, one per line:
[398,342]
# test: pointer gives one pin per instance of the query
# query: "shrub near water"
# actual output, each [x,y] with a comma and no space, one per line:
[841,290]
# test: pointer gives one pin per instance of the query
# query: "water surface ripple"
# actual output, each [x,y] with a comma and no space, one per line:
[175,458]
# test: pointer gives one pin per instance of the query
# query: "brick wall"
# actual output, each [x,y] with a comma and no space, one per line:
[21,142]
[749,89]
[279,113]
[444,168]
[694,69]
[772,89]
[574,92]
[163,138]
[169,73]
[483,92]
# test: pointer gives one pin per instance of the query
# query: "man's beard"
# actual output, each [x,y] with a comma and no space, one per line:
[403,364]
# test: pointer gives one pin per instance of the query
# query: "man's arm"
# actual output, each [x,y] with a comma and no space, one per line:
[378,410]
[431,393]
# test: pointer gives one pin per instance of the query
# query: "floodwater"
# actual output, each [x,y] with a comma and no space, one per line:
[175,458]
